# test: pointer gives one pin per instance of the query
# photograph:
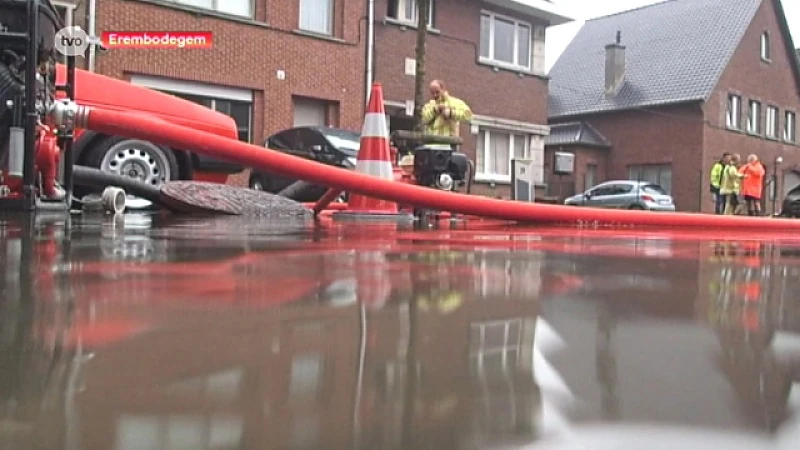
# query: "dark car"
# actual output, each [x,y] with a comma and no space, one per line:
[331,146]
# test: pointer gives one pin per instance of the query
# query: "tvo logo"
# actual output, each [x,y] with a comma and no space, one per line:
[73,41]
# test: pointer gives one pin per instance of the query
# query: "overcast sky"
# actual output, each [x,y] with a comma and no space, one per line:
[559,37]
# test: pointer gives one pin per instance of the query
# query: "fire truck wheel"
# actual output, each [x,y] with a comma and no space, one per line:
[134,158]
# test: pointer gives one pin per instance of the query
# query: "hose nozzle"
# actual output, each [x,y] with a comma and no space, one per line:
[68,114]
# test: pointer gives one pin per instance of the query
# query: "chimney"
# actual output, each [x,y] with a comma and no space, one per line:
[615,66]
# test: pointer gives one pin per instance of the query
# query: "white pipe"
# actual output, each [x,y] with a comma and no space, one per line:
[92,32]
[370,45]
[113,200]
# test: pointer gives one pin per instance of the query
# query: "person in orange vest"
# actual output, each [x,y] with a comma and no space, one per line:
[753,184]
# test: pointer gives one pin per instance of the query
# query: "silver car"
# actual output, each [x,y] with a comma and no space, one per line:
[625,194]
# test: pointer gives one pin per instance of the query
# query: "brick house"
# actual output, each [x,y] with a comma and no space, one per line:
[676,92]
[501,78]
[313,67]
[253,71]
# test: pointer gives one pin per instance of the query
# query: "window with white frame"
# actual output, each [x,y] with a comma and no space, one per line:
[790,127]
[496,149]
[240,111]
[408,11]
[316,16]
[754,117]
[202,430]
[495,345]
[733,116]
[234,102]
[505,41]
[660,174]
[765,47]
[233,7]
[772,122]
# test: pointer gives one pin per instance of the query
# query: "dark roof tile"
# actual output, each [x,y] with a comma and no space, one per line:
[676,51]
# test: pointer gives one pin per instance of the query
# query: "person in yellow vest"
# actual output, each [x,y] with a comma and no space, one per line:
[716,180]
[443,114]
[731,184]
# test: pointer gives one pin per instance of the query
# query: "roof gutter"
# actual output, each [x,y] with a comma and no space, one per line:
[370,48]
[542,9]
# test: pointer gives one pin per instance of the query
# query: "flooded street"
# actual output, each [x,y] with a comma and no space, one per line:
[145,332]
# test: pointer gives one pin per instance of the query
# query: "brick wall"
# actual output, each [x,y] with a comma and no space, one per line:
[452,55]
[669,135]
[247,54]
[565,185]
[770,83]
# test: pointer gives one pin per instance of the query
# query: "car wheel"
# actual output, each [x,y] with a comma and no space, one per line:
[141,160]
[639,207]
[259,183]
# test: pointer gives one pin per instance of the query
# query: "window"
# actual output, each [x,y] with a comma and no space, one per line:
[505,41]
[495,151]
[734,113]
[316,16]
[232,7]
[789,128]
[407,11]
[765,50]
[310,112]
[772,122]
[240,111]
[754,118]
[495,346]
[218,431]
[659,174]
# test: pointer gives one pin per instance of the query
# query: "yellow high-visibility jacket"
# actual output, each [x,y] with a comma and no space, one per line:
[716,174]
[731,181]
[440,126]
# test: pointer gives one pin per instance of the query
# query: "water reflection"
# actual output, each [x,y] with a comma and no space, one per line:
[140,334]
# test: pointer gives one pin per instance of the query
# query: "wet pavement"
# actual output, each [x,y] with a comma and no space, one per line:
[147,332]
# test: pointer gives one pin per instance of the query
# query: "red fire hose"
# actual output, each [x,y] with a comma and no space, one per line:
[153,129]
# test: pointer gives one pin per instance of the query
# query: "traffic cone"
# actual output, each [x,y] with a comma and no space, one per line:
[374,159]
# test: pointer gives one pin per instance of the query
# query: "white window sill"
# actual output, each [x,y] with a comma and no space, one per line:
[498,179]
[246,19]
[317,35]
[408,24]
[499,65]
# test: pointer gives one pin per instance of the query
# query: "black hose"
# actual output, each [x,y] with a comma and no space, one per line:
[90,177]
[471,176]
[296,189]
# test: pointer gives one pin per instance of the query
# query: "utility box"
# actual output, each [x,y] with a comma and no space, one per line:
[524,178]
[564,163]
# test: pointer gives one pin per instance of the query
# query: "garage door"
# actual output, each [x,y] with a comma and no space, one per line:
[309,112]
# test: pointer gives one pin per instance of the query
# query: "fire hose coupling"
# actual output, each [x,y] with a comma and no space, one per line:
[68,114]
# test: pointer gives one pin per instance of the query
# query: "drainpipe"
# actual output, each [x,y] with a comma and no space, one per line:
[91,24]
[370,47]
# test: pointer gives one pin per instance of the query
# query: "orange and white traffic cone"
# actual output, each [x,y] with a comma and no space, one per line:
[374,158]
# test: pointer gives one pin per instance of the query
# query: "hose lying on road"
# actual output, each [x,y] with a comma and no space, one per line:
[90,177]
[296,190]
[136,125]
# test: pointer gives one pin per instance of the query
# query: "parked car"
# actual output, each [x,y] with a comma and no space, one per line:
[625,194]
[331,146]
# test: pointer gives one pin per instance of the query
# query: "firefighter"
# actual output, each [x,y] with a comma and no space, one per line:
[443,114]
